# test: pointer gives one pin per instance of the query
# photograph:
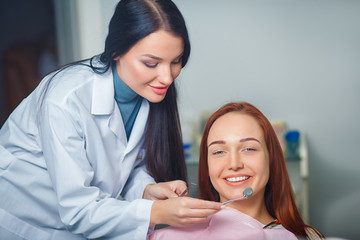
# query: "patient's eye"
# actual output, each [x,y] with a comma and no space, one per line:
[219,152]
[216,151]
[249,149]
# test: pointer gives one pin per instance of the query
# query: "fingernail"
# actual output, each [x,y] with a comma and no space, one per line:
[223,206]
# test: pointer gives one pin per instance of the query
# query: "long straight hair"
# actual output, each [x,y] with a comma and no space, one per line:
[279,197]
[132,21]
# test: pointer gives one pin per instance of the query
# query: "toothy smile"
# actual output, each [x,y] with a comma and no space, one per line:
[237,179]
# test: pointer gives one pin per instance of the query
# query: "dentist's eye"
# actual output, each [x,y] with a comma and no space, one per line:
[178,61]
[150,65]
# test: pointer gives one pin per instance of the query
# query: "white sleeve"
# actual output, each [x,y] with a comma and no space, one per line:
[137,182]
[82,207]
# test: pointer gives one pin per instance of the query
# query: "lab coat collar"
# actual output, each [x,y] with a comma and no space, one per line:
[137,133]
[103,102]
[138,129]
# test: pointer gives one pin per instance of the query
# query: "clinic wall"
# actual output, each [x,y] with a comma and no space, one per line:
[298,61]
[81,28]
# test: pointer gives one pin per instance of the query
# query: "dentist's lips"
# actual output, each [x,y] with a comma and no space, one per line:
[159,90]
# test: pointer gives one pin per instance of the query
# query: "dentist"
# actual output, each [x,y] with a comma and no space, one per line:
[95,151]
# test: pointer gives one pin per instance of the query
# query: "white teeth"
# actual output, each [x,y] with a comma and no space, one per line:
[237,179]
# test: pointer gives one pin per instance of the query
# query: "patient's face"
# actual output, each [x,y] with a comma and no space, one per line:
[237,156]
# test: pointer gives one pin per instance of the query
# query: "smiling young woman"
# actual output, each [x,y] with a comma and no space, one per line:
[239,150]
[238,158]
[152,65]
[260,162]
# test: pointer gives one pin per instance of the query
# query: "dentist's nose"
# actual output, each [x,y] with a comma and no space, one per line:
[235,162]
[165,75]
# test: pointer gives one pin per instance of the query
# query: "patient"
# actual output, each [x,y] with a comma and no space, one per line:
[240,149]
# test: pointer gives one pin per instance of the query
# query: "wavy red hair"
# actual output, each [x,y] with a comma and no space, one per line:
[279,197]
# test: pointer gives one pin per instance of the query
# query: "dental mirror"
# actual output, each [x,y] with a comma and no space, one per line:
[246,194]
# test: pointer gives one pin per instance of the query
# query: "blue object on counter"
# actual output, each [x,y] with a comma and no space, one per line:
[187,147]
[292,145]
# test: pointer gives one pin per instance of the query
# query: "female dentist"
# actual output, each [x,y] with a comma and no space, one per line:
[101,129]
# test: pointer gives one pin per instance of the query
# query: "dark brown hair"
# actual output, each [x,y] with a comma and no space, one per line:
[132,21]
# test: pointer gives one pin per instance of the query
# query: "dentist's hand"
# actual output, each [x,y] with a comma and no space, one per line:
[182,211]
[164,190]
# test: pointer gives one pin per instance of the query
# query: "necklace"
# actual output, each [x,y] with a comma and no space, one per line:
[272,224]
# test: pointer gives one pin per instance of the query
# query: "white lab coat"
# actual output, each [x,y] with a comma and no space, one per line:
[60,177]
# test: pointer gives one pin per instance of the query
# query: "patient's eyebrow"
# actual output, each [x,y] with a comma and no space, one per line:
[249,139]
[216,142]
[241,140]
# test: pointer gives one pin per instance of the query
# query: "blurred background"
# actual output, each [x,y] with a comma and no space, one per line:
[297,61]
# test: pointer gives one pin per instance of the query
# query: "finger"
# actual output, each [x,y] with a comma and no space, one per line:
[196,213]
[184,193]
[178,186]
[169,194]
[201,204]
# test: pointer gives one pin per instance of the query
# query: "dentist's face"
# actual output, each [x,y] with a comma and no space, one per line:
[237,156]
[152,64]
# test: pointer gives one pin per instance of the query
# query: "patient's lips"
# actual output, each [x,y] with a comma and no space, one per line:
[237,179]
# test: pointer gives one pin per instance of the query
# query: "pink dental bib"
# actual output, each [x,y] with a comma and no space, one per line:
[227,224]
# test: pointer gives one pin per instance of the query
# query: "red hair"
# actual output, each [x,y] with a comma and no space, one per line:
[279,197]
